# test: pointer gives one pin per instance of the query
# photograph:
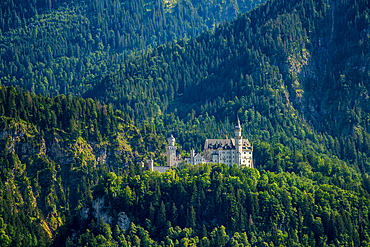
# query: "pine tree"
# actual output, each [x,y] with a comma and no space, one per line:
[161,220]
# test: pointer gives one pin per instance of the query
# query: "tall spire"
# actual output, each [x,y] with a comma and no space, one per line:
[238,129]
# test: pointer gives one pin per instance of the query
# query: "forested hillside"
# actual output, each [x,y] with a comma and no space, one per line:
[69,165]
[63,47]
[296,73]
[283,68]
[52,152]
[216,205]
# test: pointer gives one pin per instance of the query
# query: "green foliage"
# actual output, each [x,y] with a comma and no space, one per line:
[51,158]
[295,72]
[65,47]
[232,206]
[268,68]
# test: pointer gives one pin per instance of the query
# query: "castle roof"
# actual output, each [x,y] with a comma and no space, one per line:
[198,156]
[225,144]
[218,143]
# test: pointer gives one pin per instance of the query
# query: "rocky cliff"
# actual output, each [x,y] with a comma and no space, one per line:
[51,174]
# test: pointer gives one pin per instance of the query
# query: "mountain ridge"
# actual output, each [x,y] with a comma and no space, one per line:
[63,47]
[299,86]
[270,59]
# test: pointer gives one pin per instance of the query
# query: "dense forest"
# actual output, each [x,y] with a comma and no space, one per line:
[91,89]
[52,152]
[266,67]
[217,205]
[63,47]
[60,156]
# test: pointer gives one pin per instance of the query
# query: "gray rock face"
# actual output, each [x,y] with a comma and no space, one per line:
[99,212]
[19,145]
[123,221]
[24,143]
[84,213]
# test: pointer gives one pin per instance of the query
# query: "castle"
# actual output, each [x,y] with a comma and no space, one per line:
[228,151]
[172,158]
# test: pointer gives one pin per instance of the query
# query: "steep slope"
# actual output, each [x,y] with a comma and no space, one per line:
[52,152]
[272,67]
[55,186]
[62,47]
[216,205]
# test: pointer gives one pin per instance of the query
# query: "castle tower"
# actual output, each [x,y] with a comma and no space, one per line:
[192,154]
[171,151]
[238,143]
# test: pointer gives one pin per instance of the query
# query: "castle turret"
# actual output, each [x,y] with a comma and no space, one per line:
[171,151]
[151,165]
[238,143]
[192,154]
[238,130]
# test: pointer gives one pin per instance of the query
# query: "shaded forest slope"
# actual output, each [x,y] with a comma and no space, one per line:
[62,47]
[52,152]
[56,154]
[284,68]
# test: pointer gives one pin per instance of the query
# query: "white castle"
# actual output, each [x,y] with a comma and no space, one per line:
[228,151]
